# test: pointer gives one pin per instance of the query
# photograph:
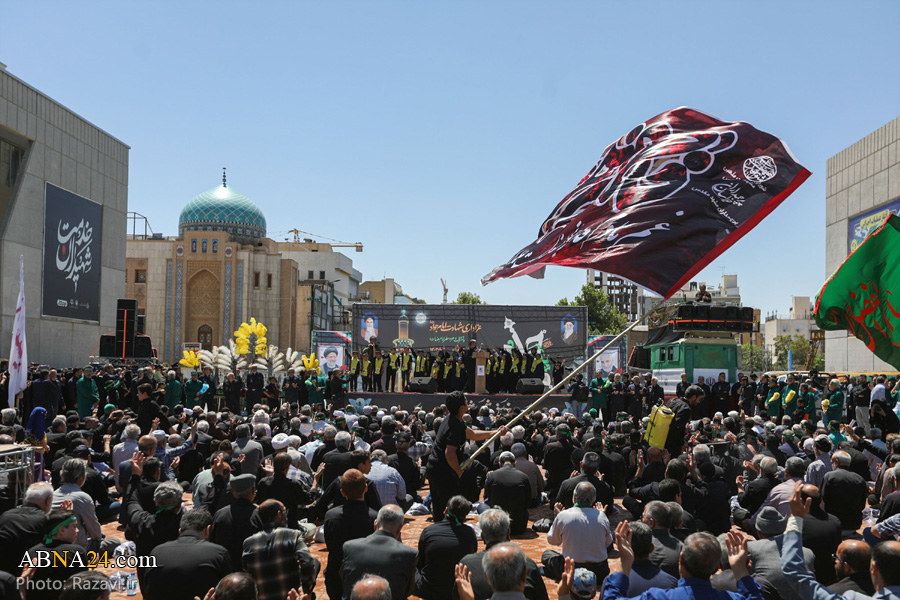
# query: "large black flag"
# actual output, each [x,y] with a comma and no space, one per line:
[664,201]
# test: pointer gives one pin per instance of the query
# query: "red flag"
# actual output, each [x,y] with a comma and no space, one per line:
[664,201]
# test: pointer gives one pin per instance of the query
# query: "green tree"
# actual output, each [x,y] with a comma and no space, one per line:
[799,347]
[467,298]
[755,359]
[603,317]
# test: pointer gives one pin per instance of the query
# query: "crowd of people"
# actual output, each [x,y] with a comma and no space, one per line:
[390,370]
[760,489]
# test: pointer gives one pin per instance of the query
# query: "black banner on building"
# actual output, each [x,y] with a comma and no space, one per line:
[558,330]
[72,234]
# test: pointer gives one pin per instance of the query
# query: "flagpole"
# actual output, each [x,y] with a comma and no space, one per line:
[565,380]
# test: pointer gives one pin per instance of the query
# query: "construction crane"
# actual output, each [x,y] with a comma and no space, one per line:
[444,283]
[338,244]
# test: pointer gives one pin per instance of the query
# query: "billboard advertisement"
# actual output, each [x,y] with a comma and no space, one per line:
[862,225]
[72,234]
[613,359]
[333,349]
[558,330]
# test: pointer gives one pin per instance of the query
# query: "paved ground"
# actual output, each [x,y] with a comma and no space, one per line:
[533,543]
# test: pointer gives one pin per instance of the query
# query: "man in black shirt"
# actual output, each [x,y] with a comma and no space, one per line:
[469,364]
[558,459]
[255,384]
[338,460]
[405,465]
[61,529]
[233,524]
[636,396]
[441,546]
[615,398]
[209,398]
[702,408]
[721,395]
[682,386]
[291,386]
[292,494]
[590,466]
[510,489]
[189,565]
[851,565]
[860,399]
[444,469]
[353,520]
[682,409]
[148,411]
[702,295]
[23,527]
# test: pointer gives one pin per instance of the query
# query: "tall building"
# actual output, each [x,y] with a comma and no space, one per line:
[624,295]
[862,187]
[63,205]
[221,270]
[799,321]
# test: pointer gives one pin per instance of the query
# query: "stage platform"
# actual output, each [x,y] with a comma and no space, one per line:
[411,400]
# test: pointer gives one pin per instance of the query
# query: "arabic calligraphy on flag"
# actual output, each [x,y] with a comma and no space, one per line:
[663,201]
[863,295]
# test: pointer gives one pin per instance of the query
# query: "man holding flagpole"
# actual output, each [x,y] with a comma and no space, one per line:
[18,351]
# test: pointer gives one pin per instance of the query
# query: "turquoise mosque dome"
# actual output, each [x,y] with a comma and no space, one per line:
[223,209]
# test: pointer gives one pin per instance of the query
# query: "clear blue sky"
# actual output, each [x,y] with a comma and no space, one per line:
[441,134]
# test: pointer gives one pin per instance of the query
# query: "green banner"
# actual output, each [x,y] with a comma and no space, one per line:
[863,295]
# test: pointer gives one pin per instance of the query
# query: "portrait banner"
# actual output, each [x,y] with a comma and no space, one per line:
[332,349]
[613,359]
[72,237]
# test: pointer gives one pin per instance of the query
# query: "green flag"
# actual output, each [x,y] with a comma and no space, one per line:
[863,295]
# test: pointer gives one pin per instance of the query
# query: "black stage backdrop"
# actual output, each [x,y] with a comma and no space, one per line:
[72,233]
[558,330]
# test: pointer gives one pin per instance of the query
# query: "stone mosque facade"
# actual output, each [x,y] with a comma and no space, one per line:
[221,270]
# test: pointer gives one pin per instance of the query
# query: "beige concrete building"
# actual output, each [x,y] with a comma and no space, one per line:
[798,321]
[863,184]
[221,270]
[386,291]
[59,174]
